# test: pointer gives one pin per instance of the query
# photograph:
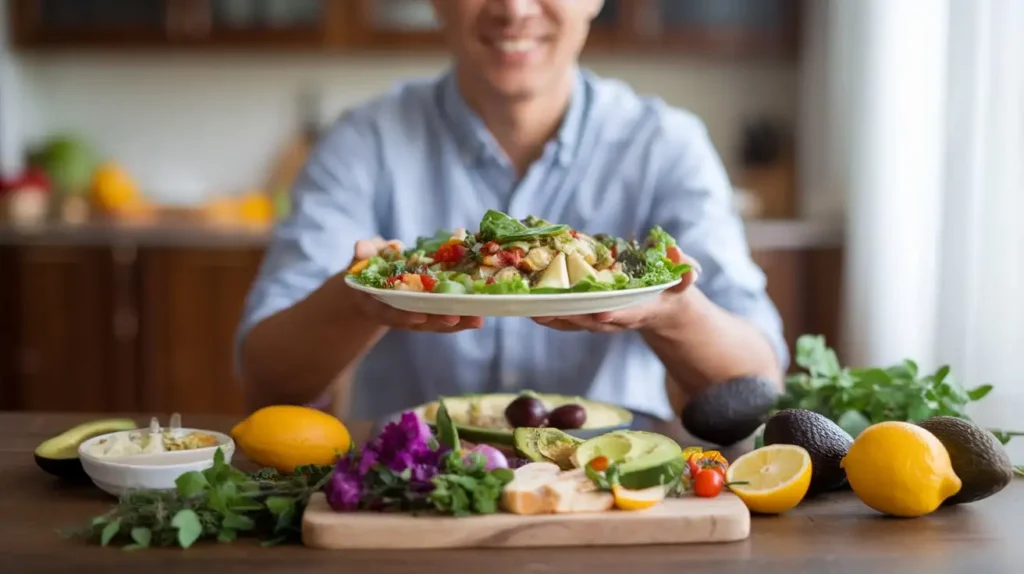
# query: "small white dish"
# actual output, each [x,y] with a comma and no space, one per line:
[547,305]
[156,471]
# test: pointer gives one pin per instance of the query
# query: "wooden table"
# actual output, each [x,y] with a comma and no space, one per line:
[832,534]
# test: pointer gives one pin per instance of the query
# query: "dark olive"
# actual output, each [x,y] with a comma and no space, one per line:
[565,417]
[526,411]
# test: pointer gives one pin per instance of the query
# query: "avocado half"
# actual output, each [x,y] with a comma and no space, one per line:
[59,455]
[546,445]
[645,459]
[601,417]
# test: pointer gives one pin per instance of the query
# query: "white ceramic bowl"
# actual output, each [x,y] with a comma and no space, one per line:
[158,471]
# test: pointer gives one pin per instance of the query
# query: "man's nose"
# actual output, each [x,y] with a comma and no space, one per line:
[516,9]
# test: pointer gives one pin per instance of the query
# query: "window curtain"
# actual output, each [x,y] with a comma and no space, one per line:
[922,156]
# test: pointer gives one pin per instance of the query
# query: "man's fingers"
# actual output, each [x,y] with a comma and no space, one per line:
[367,248]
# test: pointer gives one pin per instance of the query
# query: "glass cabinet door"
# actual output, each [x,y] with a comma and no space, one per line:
[728,27]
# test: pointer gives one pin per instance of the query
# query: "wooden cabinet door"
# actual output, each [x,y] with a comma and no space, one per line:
[192,302]
[76,23]
[75,348]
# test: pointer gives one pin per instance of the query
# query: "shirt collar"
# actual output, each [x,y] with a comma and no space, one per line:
[476,141]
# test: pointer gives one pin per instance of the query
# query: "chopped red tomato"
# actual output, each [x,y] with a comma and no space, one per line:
[393,280]
[428,282]
[615,251]
[674,253]
[490,248]
[511,257]
[490,281]
[450,252]
[575,234]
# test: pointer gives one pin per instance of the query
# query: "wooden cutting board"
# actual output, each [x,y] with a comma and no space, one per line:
[674,521]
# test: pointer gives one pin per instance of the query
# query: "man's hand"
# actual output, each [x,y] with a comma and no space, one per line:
[375,311]
[651,315]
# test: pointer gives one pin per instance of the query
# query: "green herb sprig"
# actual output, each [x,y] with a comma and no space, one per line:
[221,503]
[856,398]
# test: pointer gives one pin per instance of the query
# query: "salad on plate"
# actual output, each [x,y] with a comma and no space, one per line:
[507,256]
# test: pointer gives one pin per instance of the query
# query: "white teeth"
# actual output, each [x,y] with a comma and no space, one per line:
[515,46]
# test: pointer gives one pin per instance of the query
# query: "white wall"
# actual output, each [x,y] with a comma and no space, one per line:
[186,125]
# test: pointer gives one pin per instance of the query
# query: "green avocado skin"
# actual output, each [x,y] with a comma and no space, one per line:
[823,440]
[730,411]
[58,455]
[978,459]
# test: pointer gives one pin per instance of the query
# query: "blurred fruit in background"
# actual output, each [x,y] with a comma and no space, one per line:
[26,198]
[114,191]
[253,209]
[68,161]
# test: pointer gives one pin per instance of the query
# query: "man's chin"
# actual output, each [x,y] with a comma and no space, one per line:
[514,90]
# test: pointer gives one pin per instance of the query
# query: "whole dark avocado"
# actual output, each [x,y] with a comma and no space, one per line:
[823,439]
[978,458]
[730,411]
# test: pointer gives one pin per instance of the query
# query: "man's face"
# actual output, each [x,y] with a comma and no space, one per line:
[516,48]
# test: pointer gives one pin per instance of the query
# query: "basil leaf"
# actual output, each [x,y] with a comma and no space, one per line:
[447,433]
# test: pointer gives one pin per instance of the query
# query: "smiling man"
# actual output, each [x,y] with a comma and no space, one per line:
[515,125]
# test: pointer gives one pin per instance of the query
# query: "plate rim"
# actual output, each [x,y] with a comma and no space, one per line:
[456,297]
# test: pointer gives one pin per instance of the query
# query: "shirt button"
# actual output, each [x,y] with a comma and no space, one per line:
[509,380]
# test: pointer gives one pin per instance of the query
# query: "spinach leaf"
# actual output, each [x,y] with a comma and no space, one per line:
[429,244]
[497,226]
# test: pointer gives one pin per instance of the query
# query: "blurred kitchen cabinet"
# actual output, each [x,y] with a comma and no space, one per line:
[93,22]
[74,348]
[253,24]
[271,24]
[722,28]
[191,303]
[397,24]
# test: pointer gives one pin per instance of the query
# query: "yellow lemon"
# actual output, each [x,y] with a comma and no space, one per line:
[286,436]
[114,187]
[900,469]
[772,479]
[626,499]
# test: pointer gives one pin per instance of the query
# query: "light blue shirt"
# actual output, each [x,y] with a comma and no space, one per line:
[418,159]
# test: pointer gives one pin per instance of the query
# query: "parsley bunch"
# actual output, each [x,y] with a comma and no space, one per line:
[220,503]
[858,398]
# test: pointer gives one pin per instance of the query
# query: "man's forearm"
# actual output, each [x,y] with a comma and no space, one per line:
[292,356]
[702,344]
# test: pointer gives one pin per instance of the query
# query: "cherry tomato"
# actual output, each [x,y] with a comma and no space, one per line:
[428,282]
[693,463]
[674,253]
[708,483]
[450,252]
[600,464]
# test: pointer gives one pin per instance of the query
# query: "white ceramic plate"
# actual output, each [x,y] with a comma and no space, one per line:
[551,305]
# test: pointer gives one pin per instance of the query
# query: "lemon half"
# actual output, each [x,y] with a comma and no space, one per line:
[777,478]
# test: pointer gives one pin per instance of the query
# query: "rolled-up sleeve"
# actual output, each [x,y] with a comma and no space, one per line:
[693,202]
[332,208]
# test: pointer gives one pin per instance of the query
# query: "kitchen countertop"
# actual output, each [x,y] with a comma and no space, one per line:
[762,235]
[835,533]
